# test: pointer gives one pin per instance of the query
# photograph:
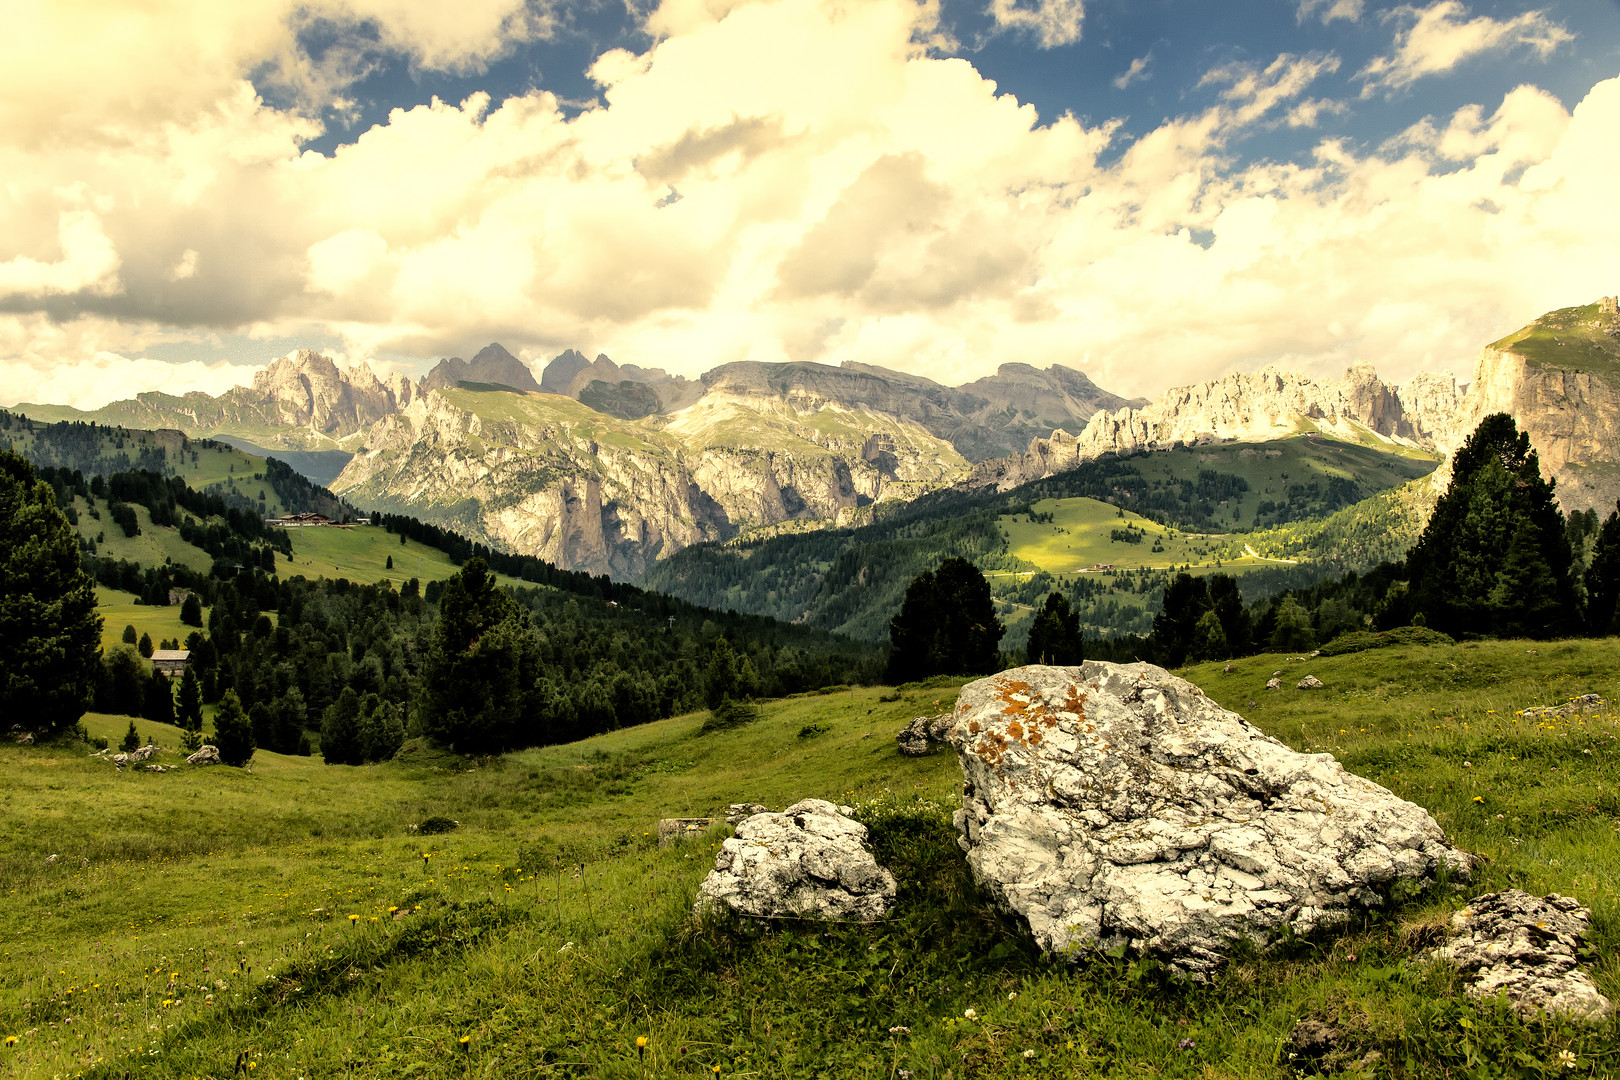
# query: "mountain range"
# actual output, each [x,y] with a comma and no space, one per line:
[608,467]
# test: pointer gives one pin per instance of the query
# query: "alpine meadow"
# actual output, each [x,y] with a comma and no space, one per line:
[809,540]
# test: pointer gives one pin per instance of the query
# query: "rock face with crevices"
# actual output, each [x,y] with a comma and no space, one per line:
[1115,804]
[1525,946]
[809,861]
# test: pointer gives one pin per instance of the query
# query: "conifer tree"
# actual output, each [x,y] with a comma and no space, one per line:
[130,636]
[1208,638]
[158,701]
[189,711]
[1494,558]
[145,646]
[1054,634]
[1186,599]
[233,731]
[1293,632]
[1603,579]
[191,610]
[947,625]
[132,740]
[50,634]
[340,730]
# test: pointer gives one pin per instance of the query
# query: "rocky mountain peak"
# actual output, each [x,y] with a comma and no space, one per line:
[560,372]
[492,364]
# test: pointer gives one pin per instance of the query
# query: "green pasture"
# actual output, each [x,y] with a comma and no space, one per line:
[361,553]
[290,921]
[1079,536]
[119,609]
[153,546]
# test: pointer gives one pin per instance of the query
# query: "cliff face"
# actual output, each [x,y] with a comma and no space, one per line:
[1245,407]
[1559,378]
[492,364]
[544,475]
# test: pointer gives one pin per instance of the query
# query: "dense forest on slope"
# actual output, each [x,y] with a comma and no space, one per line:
[304,654]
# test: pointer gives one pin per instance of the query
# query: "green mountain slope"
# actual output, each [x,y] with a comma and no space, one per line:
[1581,340]
[852,580]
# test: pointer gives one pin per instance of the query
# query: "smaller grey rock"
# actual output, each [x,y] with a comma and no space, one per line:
[1526,947]
[674,830]
[120,760]
[923,734]
[738,812]
[207,755]
[809,861]
[1276,674]
[51,859]
[23,738]
[1273,684]
[143,753]
[1228,669]
[1574,707]
[1310,682]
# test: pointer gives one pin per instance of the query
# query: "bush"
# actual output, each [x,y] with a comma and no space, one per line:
[436,826]
[729,714]
[1362,640]
[810,731]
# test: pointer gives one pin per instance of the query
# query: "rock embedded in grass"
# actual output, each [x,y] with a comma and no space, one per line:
[810,861]
[1115,804]
[207,754]
[1526,947]
[1309,682]
[920,736]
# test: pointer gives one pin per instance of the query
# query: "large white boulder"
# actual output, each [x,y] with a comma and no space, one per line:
[1114,804]
[809,861]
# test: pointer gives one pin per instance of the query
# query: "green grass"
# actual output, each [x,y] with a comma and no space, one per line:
[548,931]
[154,545]
[1079,536]
[361,553]
[1572,339]
[119,609]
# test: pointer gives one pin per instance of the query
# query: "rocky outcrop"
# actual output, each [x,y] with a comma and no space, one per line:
[1525,947]
[1258,406]
[810,861]
[491,366]
[1559,378]
[1115,804]
[207,754]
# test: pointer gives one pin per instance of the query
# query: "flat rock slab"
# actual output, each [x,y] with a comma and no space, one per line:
[673,830]
[1574,707]
[809,861]
[1114,804]
[1526,947]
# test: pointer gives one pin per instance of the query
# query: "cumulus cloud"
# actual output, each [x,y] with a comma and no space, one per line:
[1435,39]
[1052,22]
[903,213]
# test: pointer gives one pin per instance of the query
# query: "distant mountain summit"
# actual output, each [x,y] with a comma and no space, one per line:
[492,366]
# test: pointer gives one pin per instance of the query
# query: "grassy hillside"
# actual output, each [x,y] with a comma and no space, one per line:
[361,553]
[1574,339]
[119,609]
[192,917]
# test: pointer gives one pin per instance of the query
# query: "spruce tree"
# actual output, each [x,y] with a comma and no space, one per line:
[1494,558]
[1293,631]
[481,666]
[340,730]
[145,646]
[130,636]
[191,610]
[1186,599]
[50,634]
[189,712]
[158,700]
[1208,638]
[1054,634]
[947,625]
[1603,579]
[233,731]
[132,740]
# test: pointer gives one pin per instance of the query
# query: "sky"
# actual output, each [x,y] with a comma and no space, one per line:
[1157,192]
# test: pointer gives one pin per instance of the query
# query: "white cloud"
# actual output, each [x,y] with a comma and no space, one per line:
[1135,73]
[1435,39]
[1329,10]
[847,196]
[88,261]
[1052,22]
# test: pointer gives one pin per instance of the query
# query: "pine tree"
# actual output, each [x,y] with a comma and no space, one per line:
[132,740]
[340,730]
[233,731]
[157,703]
[1208,638]
[1054,634]
[145,646]
[189,712]
[947,625]
[481,667]
[50,634]
[1293,631]
[1494,558]
[1186,599]
[191,610]
[130,636]
[1603,579]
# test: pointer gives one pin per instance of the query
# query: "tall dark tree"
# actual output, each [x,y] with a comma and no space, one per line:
[947,625]
[1054,635]
[50,634]
[481,668]
[191,610]
[1186,599]
[189,711]
[233,731]
[1603,579]
[340,730]
[157,702]
[1494,558]
[1227,603]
